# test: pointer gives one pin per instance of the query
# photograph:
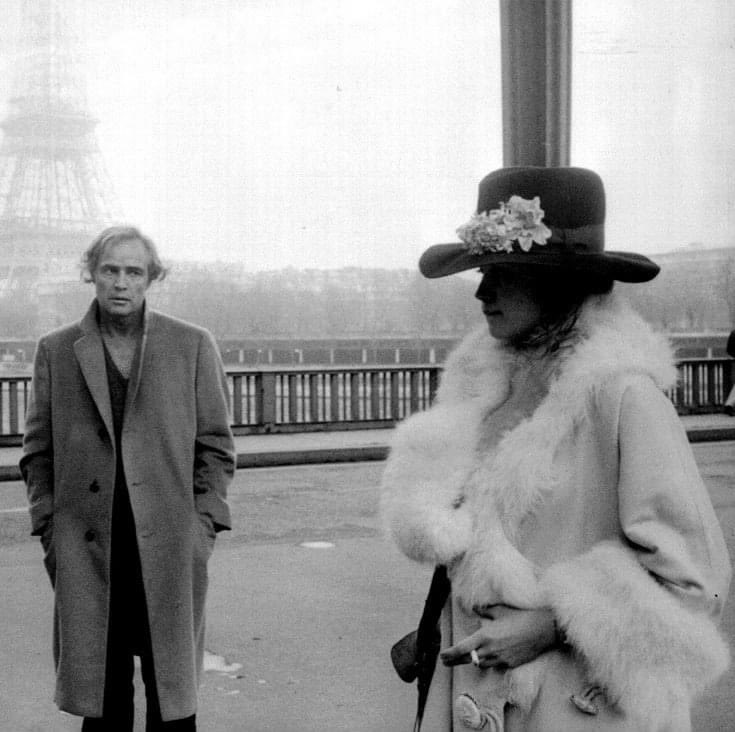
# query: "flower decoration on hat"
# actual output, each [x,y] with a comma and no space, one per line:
[517,219]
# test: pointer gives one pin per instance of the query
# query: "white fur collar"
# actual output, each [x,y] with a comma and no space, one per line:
[613,340]
[440,495]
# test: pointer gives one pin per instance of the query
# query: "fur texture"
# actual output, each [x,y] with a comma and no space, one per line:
[661,654]
[434,501]
[445,502]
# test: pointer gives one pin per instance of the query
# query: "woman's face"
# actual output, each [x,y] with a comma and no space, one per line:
[510,302]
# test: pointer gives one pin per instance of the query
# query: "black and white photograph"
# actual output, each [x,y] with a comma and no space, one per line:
[367,366]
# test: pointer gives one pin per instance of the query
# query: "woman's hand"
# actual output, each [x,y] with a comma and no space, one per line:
[508,637]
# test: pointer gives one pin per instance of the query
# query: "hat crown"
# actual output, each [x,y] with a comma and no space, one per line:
[571,198]
[556,220]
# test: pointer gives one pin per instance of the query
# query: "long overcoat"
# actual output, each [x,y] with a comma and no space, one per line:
[598,491]
[178,457]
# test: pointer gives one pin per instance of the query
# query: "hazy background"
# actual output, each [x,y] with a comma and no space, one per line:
[331,133]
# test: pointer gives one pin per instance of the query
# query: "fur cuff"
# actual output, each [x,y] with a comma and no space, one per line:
[499,575]
[422,502]
[649,653]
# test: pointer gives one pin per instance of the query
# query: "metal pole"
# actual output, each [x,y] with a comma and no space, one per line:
[536,44]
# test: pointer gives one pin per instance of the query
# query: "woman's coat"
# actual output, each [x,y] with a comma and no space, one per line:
[599,491]
[178,456]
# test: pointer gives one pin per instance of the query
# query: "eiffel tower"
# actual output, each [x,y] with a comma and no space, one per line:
[55,193]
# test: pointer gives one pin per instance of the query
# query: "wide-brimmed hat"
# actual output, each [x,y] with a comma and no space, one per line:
[538,216]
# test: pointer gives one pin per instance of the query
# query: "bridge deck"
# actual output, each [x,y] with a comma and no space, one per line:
[302,448]
[310,626]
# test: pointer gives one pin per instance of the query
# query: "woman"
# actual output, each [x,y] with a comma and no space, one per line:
[553,479]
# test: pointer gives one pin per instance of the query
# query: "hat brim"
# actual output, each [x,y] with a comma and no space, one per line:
[441,260]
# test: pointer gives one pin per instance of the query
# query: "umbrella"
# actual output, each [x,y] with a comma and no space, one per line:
[414,656]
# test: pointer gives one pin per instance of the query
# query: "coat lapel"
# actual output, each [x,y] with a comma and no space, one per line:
[614,341]
[136,371]
[90,355]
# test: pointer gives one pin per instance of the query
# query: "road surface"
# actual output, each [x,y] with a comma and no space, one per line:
[305,600]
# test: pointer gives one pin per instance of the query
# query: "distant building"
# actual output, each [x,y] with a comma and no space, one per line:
[695,291]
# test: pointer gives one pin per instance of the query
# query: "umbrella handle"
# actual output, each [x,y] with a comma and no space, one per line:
[428,638]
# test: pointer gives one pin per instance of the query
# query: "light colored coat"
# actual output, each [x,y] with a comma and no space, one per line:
[178,456]
[599,491]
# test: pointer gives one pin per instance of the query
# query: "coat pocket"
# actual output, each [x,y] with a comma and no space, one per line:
[206,533]
[49,552]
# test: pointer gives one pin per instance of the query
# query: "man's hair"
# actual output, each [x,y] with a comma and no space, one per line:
[115,235]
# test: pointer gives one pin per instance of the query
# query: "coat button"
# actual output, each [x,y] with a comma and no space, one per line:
[89,535]
[94,486]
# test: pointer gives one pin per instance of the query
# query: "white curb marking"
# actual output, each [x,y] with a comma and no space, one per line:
[317,544]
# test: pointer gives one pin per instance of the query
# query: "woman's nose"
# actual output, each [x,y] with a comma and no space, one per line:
[487,291]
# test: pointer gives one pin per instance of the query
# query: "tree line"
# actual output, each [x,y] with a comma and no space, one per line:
[352,302]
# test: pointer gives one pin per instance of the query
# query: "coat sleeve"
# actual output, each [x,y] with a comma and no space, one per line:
[37,463]
[642,610]
[214,450]
[422,502]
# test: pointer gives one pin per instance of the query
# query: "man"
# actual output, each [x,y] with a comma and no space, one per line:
[127,457]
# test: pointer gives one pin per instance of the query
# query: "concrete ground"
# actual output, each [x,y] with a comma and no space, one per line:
[306,598]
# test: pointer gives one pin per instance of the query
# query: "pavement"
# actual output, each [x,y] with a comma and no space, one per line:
[335,446]
[306,595]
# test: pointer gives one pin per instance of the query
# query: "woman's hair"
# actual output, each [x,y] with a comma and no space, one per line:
[561,294]
[115,235]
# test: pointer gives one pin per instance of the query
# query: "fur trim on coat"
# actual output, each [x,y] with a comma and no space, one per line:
[445,502]
[424,499]
[663,656]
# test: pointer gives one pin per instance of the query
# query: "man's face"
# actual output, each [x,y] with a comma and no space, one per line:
[121,278]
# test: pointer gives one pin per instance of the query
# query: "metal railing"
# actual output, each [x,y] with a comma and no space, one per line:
[703,384]
[299,400]
[14,392]
[341,398]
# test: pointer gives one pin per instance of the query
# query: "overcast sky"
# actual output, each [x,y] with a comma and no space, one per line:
[325,133]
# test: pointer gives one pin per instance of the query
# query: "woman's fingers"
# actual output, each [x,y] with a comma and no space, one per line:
[452,657]
[493,611]
[482,661]
[484,611]
[511,638]
[462,652]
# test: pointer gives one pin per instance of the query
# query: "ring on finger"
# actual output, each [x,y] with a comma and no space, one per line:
[475,658]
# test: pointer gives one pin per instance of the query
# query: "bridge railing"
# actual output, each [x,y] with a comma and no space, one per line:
[703,384]
[299,400]
[14,393]
[341,398]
